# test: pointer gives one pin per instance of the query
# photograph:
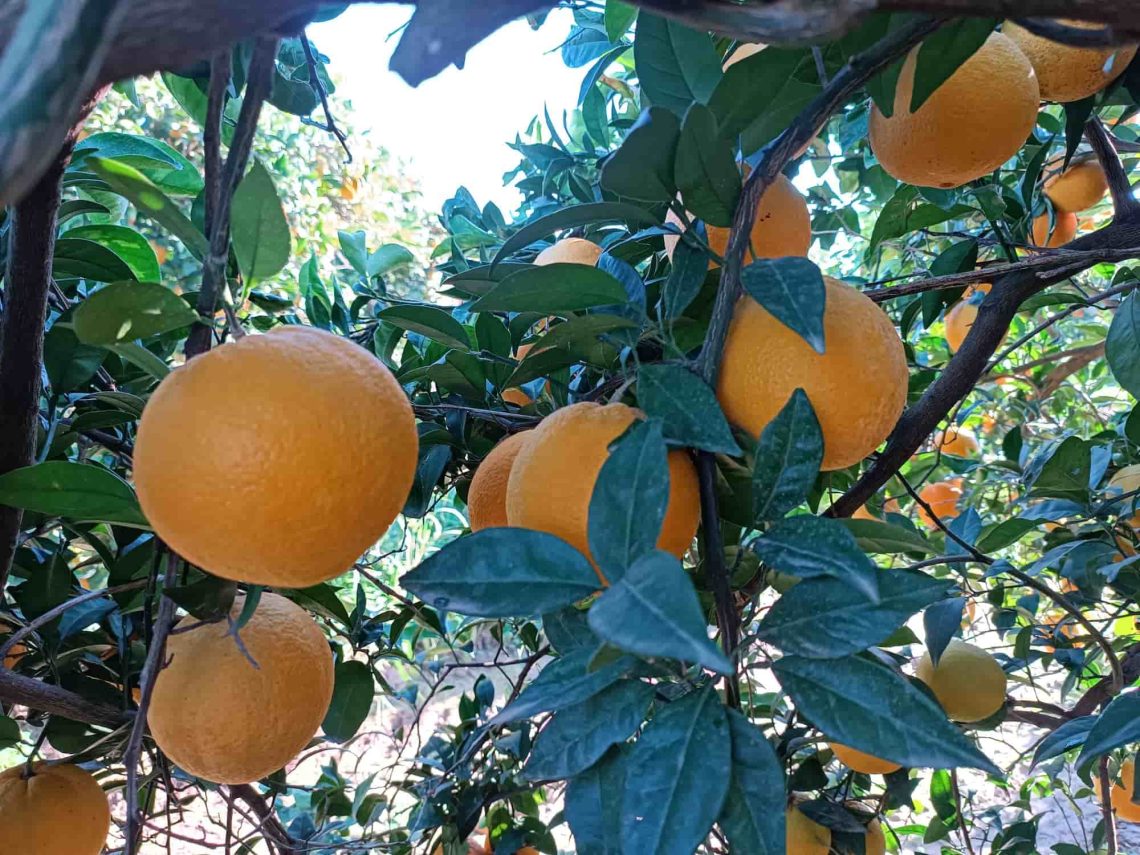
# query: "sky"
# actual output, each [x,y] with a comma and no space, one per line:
[453,129]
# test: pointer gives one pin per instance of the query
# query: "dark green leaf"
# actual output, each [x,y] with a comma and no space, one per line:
[127,311]
[675,779]
[573,217]
[787,459]
[901,216]
[819,618]
[753,816]
[134,249]
[686,276]
[388,258]
[553,289]
[1117,725]
[594,805]
[208,598]
[873,709]
[941,622]
[653,610]
[578,736]
[564,682]
[706,170]
[69,363]
[1123,345]
[944,51]
[1065,474]
[880,538]
[643,167]
[675,65]
[1077,115]
[1065,738]
[9,732]
[84,259]
[1005,533]
[430,321]
[503,572]
[352,696]
[75,491]
[619,17]
[568,629]
[262,241]
[808,546]
[628,503]
[765,84]
[688,409]
[792,290]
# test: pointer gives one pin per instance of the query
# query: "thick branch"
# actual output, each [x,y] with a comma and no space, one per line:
[1123,202]
[33,694]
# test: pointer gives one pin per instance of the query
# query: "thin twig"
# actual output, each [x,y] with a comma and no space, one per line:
[1106,807]
[961,814]
[315,81]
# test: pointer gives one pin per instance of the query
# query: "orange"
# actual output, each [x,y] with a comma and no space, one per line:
[517,397]
[782,226]
[1067,73]
[1079,187]
[19,649]
[277,459]
[961,317]
[743,51]
[958,441]
[805,836]
[1064,230]
[553,477]
[570,251]
[876,841]
[861,513]
[857,761]
[968,682]
[487,498]
[972,124]
[218,717]
[1126,480]
[857,386]
[942,496]
[59,810]
[1121,793]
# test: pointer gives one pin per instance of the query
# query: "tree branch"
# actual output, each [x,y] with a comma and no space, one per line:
[43,697]
[1123,202]
[1106,807]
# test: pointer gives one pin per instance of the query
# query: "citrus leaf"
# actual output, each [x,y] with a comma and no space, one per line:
[1117,725]
[80,258]
[753,815]
[642,168]
[553,289]
[74,491]
[127,311]
[619,17]
[792,291]
[261,236]
[881,538]
[1065,738]
[944,51]
[430,321]
[706,170]
[564,682]
[787,459]
[941,622]
[353,691]
[807,547]
[572,217]
[686,276]
[131,247]
[1122,348]
[388,258]
[676,65]
[687,408]
[758,86]
[594,805]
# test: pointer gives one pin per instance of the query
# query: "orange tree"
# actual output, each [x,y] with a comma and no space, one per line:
[716,490]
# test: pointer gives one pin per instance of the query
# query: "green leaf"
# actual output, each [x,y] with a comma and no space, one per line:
[1117,725]
[820,619]
[208,598]
[262,241]
[675,65]
[594,805]
[687,408]
[765,84]
[573,217]
[353,691]
[134,249]
[553,289]
[753,815]
[871,708]
[85,259]
[503,572]
[140,357]
[675,779]
[944,51]
[564,682]
[137,151]
[653,610]
[941,622]
[787,459]
[792,291]
[880,538]
[9,733]
[901,216]
[578,736]
[141,192]
[126,311]
[75,491]
[619,17]
[642,168]
[1122,348]
[430,321]
[387,258]
[69,363]
[808,547]
[627,506]
[1065,738]
[1065,474]
[1006,533]
[706,170]
[686,276]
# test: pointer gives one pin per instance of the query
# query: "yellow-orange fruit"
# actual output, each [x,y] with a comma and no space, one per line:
[782,227]
[961,317]
[1079,187]
[876,841]
[277,459]
[857,761]
[972,124]
[958,441]
[968,682]
[1064,230]
[1127,480]
[861,513]
[1120,794]
[13,656]
[942,496]
[487,497]
[59,810]
[570,251]
[1066,73]
[743,51]
[554,474]
[805,836]
[857,386]
[221,718]
[517,396]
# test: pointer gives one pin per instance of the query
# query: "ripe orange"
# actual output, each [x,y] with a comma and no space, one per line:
[277,459]
[1127,480]
[218,717]
[1066,73]
[857,386]
[861,513]
[976,121]
[958,441]
[876,840]
[859,762]
[570,251]
[487,497]
[19,649]
[1064,230]
[968,682]
[1121,793]
[961,317]
[805,836]
[942,496]
[782,226]
[59,810]
[553,477]
[743,51]
[1079,187]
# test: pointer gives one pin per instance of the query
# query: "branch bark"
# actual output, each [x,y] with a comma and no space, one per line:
[42,697]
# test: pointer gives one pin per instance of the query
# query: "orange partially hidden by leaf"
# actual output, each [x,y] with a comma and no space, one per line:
[958,441]
[968,682]
[1064,230]
[58,810]
[19,649]
[487,497]
[942,497]
[1079,187]
[805,836]
[1121,793]
[1067,73]
[570,251]
[857,761]
[861,513]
